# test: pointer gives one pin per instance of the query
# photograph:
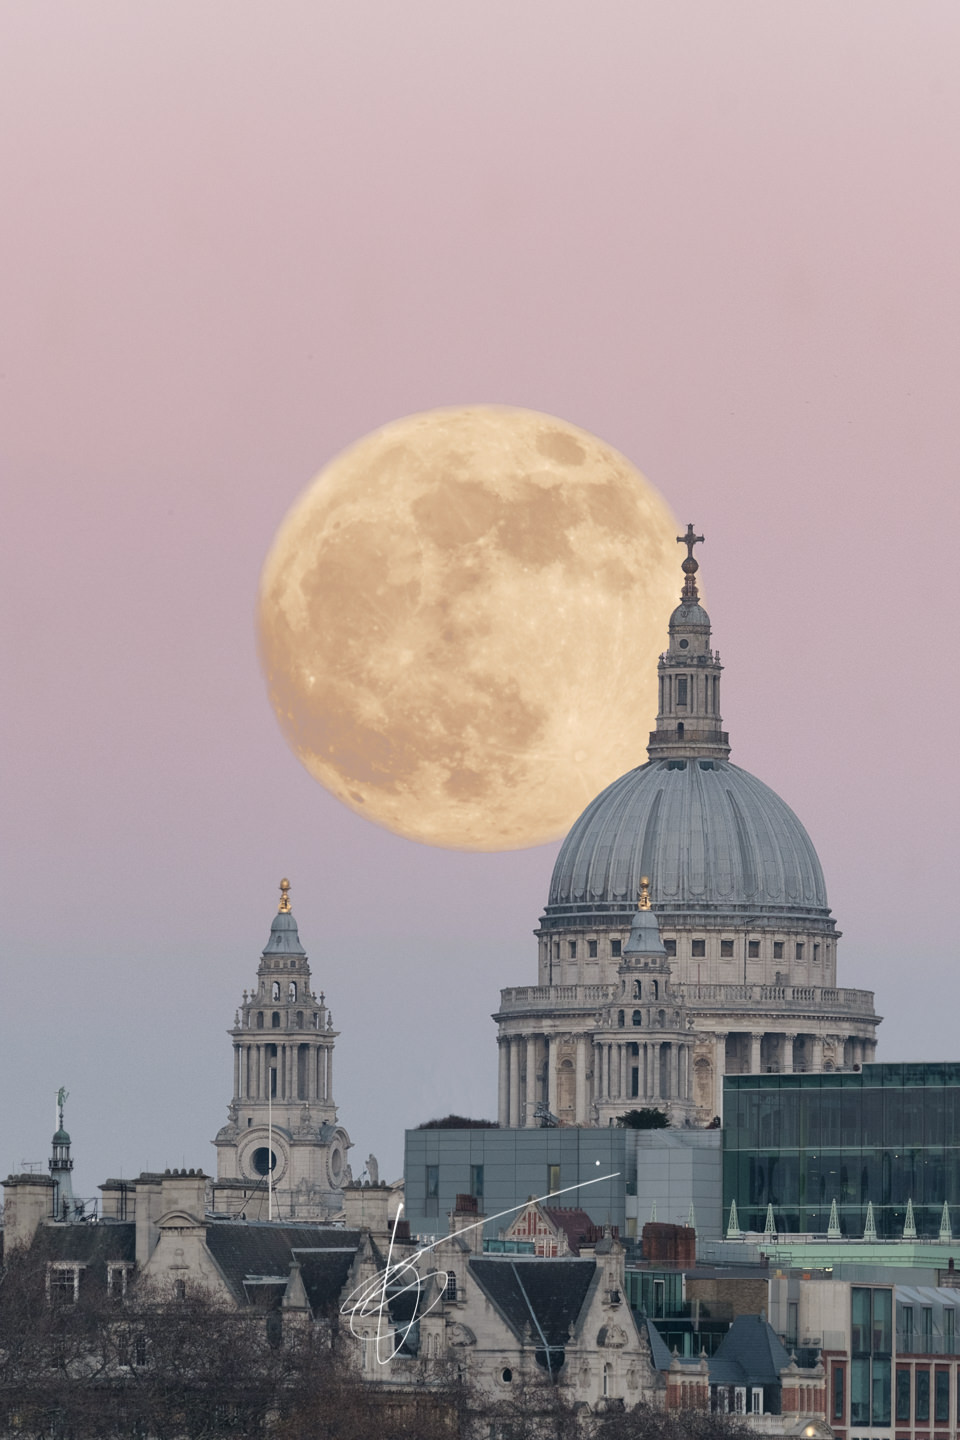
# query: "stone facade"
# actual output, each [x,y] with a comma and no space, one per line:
[747,940]
[282,1124]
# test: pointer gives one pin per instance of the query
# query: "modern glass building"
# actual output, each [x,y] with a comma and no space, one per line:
[886,1134]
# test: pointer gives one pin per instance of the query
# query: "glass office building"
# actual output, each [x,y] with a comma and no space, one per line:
[886,1134]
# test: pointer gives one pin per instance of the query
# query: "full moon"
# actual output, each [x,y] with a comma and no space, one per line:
[459,623]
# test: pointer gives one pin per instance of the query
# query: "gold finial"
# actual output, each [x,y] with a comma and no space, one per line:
[284,897]
[644,901]
[689,594]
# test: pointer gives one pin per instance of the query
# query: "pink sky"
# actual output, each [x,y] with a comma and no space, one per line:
[237,237]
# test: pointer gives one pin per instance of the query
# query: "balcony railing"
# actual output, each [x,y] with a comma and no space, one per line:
[761,998]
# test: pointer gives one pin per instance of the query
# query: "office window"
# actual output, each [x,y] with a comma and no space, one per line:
[753,949]
[756,1400]
[592,949]
[476,1181]
[903,1393]
[726,949]
[880,1399]
[922,1395]
[778,949]
[941,1395]
[838,1379]
[860,1391]
[553,1178]
[700,948]
[615,947]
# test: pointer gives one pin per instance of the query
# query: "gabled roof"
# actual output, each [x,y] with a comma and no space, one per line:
[544,1295]
[575,1224]
[749,1354]
[250,1253]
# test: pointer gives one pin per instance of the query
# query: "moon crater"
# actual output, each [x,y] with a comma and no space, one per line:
[459,623]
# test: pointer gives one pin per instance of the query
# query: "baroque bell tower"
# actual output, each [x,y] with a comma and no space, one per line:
[282,1154]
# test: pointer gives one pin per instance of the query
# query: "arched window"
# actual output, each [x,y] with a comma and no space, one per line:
[275,1019]
[275,994]
[292,992]
[636,989]
[637,1018]
[661,1018]
[680,731]
[656,990]
[620,1017]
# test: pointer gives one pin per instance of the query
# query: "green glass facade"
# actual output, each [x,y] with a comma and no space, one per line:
[886,1134]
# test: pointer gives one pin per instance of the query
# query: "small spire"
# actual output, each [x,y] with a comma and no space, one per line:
[689,595]
[870,1225]
[643,902]
[909,1223]
[284,897]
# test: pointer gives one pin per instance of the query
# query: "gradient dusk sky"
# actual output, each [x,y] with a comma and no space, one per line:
[237,237]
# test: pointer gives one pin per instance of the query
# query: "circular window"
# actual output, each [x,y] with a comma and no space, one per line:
[684,644]
[263,1160]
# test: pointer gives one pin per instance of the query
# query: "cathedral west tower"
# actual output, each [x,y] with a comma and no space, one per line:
[737,890]
[282,1122]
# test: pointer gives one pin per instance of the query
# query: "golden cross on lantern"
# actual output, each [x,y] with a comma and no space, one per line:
[644,901]
[284,897]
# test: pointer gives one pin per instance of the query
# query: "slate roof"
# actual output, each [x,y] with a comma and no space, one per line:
[251,1252]
[553,1289]
[659,1352]
[92,1245]
[749,1354]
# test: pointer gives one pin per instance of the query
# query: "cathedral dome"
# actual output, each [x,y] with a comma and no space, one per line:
[710,836]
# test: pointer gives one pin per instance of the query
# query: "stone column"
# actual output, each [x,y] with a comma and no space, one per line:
[655,1070]
[550,1042]
[581,1102]
[787,1050]
[531,1098]
[720,1068]
[330,1074]
[756,1065]
[675,1068]
[514,1081]
[503,1083]
[623,1087]
[816,1060]
[236,1072]
[598,1090]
